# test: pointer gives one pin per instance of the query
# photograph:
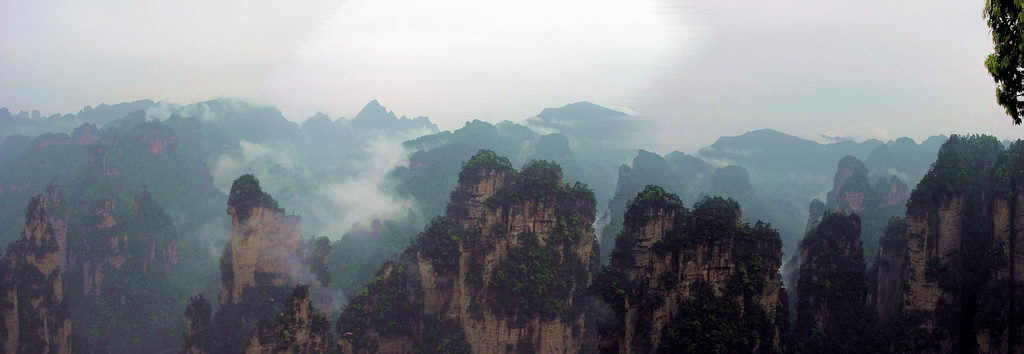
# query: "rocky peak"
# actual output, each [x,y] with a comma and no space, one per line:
[677,173]
[121,243]
[198,326]
[670,265]
[892,192]
[246,195]
[480,179]
[850,186]
[99,163]
[875,204]
[505,270]
[833,286]
[948,273]
[265,247]
[373,109]
[731,181]
[375,116]
[85,134]
[849,166]
[815,211]
[888,271]
[34,311]
[297,329]
[261,265]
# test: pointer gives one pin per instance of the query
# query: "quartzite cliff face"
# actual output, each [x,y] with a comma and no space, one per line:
[298,329]
[505,270]
[692,280]
[35,315]
[265,248]
[261,308]
[875,203]
[951,280]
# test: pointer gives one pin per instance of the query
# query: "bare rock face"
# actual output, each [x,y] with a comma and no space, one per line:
[875,203]
[35,315]
[265,248]
[671,265]
[886,297]
[934,234]
[260,268]
[952,283]
[1008,225]
[505,270]
[298,329]
[144,241]
[849,186]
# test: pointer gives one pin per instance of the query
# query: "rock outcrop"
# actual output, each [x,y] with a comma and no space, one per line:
[852,192]
[34,308]
[677,172]
[831,315]
[198,326]
[506,269]
[265,248]
[692,280]
[886,275]
[142,242]
[298,329]
[261,309]
[951,283]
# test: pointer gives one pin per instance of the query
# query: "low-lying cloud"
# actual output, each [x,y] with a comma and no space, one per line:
[358,200]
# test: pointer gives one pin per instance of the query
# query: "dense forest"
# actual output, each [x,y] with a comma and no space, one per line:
[222,227]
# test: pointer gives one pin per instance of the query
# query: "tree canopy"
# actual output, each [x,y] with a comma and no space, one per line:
[1004,18]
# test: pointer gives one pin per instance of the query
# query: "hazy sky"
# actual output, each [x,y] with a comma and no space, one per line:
[701,69]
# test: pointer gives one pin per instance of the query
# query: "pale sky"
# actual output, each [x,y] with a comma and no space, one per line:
[698,69]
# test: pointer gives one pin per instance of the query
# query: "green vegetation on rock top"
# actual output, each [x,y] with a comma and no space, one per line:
[246,194]
[484,159]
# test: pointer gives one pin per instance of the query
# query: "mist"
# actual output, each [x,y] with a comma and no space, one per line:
[534,176]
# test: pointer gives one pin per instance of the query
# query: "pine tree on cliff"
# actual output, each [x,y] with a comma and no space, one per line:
[506,269]
[692,280]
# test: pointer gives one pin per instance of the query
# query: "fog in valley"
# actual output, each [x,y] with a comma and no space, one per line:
[577,176]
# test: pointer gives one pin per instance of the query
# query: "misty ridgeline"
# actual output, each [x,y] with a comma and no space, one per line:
[222,227]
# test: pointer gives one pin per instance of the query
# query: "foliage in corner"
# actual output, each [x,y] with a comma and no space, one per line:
[1004,19]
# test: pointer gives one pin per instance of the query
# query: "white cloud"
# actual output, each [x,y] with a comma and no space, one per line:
[455,59]
[358,200]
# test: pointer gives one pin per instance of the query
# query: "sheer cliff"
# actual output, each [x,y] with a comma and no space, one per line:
[948,280]
[34,310]
[692,280]
[261,308]
[297,329]
[265,247]
[831,313]
[505,269]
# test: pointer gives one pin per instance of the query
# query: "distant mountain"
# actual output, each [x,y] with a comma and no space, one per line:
[34,123]
[375,116]
[587,124]
[904,158]
[770,149]
[677,173]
